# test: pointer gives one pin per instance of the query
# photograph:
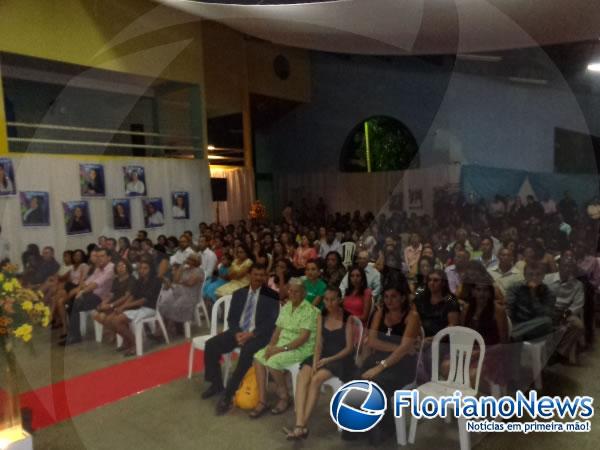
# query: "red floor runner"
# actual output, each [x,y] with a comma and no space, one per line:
[69,398]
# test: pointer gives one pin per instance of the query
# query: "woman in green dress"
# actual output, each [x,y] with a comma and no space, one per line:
[293,341]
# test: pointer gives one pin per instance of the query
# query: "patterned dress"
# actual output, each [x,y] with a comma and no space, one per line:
[234,285]
[292,321]
[178,303]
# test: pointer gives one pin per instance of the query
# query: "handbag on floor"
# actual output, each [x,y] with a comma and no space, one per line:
[246,396]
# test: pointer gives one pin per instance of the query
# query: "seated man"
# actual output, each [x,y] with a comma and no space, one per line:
[569,304]
[373,275]
[251,319]
[456,272]
[505,274]
[38,275]
[90,293]
[530,305]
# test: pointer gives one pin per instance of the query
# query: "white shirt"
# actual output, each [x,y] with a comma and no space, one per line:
[373,280]
[209,262]
[156,219]
[135,187]
[505,280]
[180,256]
[325,248]
[253,321]
[179,213]
[549,206]
[8,188]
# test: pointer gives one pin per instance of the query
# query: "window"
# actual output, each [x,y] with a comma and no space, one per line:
[378,144]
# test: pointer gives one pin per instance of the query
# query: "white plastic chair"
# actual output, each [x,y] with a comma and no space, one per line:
[462,341]
[401,421]
[199,342]
[84,316]
[348,249]
[138,331]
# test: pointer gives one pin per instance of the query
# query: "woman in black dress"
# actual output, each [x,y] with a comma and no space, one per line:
[332,358]
[436,305]
[392,337]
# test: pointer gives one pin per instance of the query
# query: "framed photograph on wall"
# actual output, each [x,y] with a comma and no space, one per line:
[7,177]
[35,208]
[154,215]
[180,205]
[77,217]
[121,212]
[134,178]
[91,180]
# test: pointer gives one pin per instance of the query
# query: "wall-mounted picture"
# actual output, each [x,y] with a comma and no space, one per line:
[135,181]
[77,217]
[7,177]
[121,211]
[35,208]
[181,205]
[153,212]
[91,179]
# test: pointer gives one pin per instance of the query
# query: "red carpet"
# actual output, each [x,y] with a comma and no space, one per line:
[69,398]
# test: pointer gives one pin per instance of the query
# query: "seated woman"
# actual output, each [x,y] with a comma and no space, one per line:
[278,282]
[485,312]
[392,337]
[140,304]
[179,297]
[436,305]
[358,298]
[292,342]
[238,272]
[333,358]
[334,271]
[122,286]
[66,293]
[215,282]
[425,266]
[304,253]
[313,285]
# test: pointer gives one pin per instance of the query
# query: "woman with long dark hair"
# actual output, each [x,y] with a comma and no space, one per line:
[424,268]
[358,297]
[334,271]
[392,336]
[436,305]
[279,280]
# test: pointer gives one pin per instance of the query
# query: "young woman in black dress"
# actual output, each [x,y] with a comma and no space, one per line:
[394,331]
[333,358]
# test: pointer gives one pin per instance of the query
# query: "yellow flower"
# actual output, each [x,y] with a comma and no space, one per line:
[8,286]
[27,306]
[40,307]
[1,277]
[24,332]
[46,321]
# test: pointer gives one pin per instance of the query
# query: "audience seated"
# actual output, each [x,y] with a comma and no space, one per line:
[373,275]
[90,293]
[314,286]
[333,357]
[238,272]
[292,342]
[214,282]
[436,305]
[358,298]
[138,305]
[179,296]
[251,321]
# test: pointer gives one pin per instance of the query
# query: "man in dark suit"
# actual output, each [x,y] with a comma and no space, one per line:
[251,321]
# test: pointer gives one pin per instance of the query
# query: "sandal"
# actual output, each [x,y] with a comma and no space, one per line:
[298,432]
[281,409]
[258,411]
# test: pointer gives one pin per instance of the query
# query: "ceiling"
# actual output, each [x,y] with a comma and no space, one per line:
[401,27]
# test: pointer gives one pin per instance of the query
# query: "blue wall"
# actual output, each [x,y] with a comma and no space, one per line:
[493,121]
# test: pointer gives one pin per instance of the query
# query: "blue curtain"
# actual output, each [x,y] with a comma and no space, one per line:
[486,182]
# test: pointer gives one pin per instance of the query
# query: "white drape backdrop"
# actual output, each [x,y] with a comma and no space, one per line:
[240,194]
[59,176]
[346,192]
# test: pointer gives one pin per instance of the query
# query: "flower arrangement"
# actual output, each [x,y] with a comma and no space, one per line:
[20,309]
[258,211]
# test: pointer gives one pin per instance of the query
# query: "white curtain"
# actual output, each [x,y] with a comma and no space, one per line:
[59,176]
[346,192]
[240,194]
